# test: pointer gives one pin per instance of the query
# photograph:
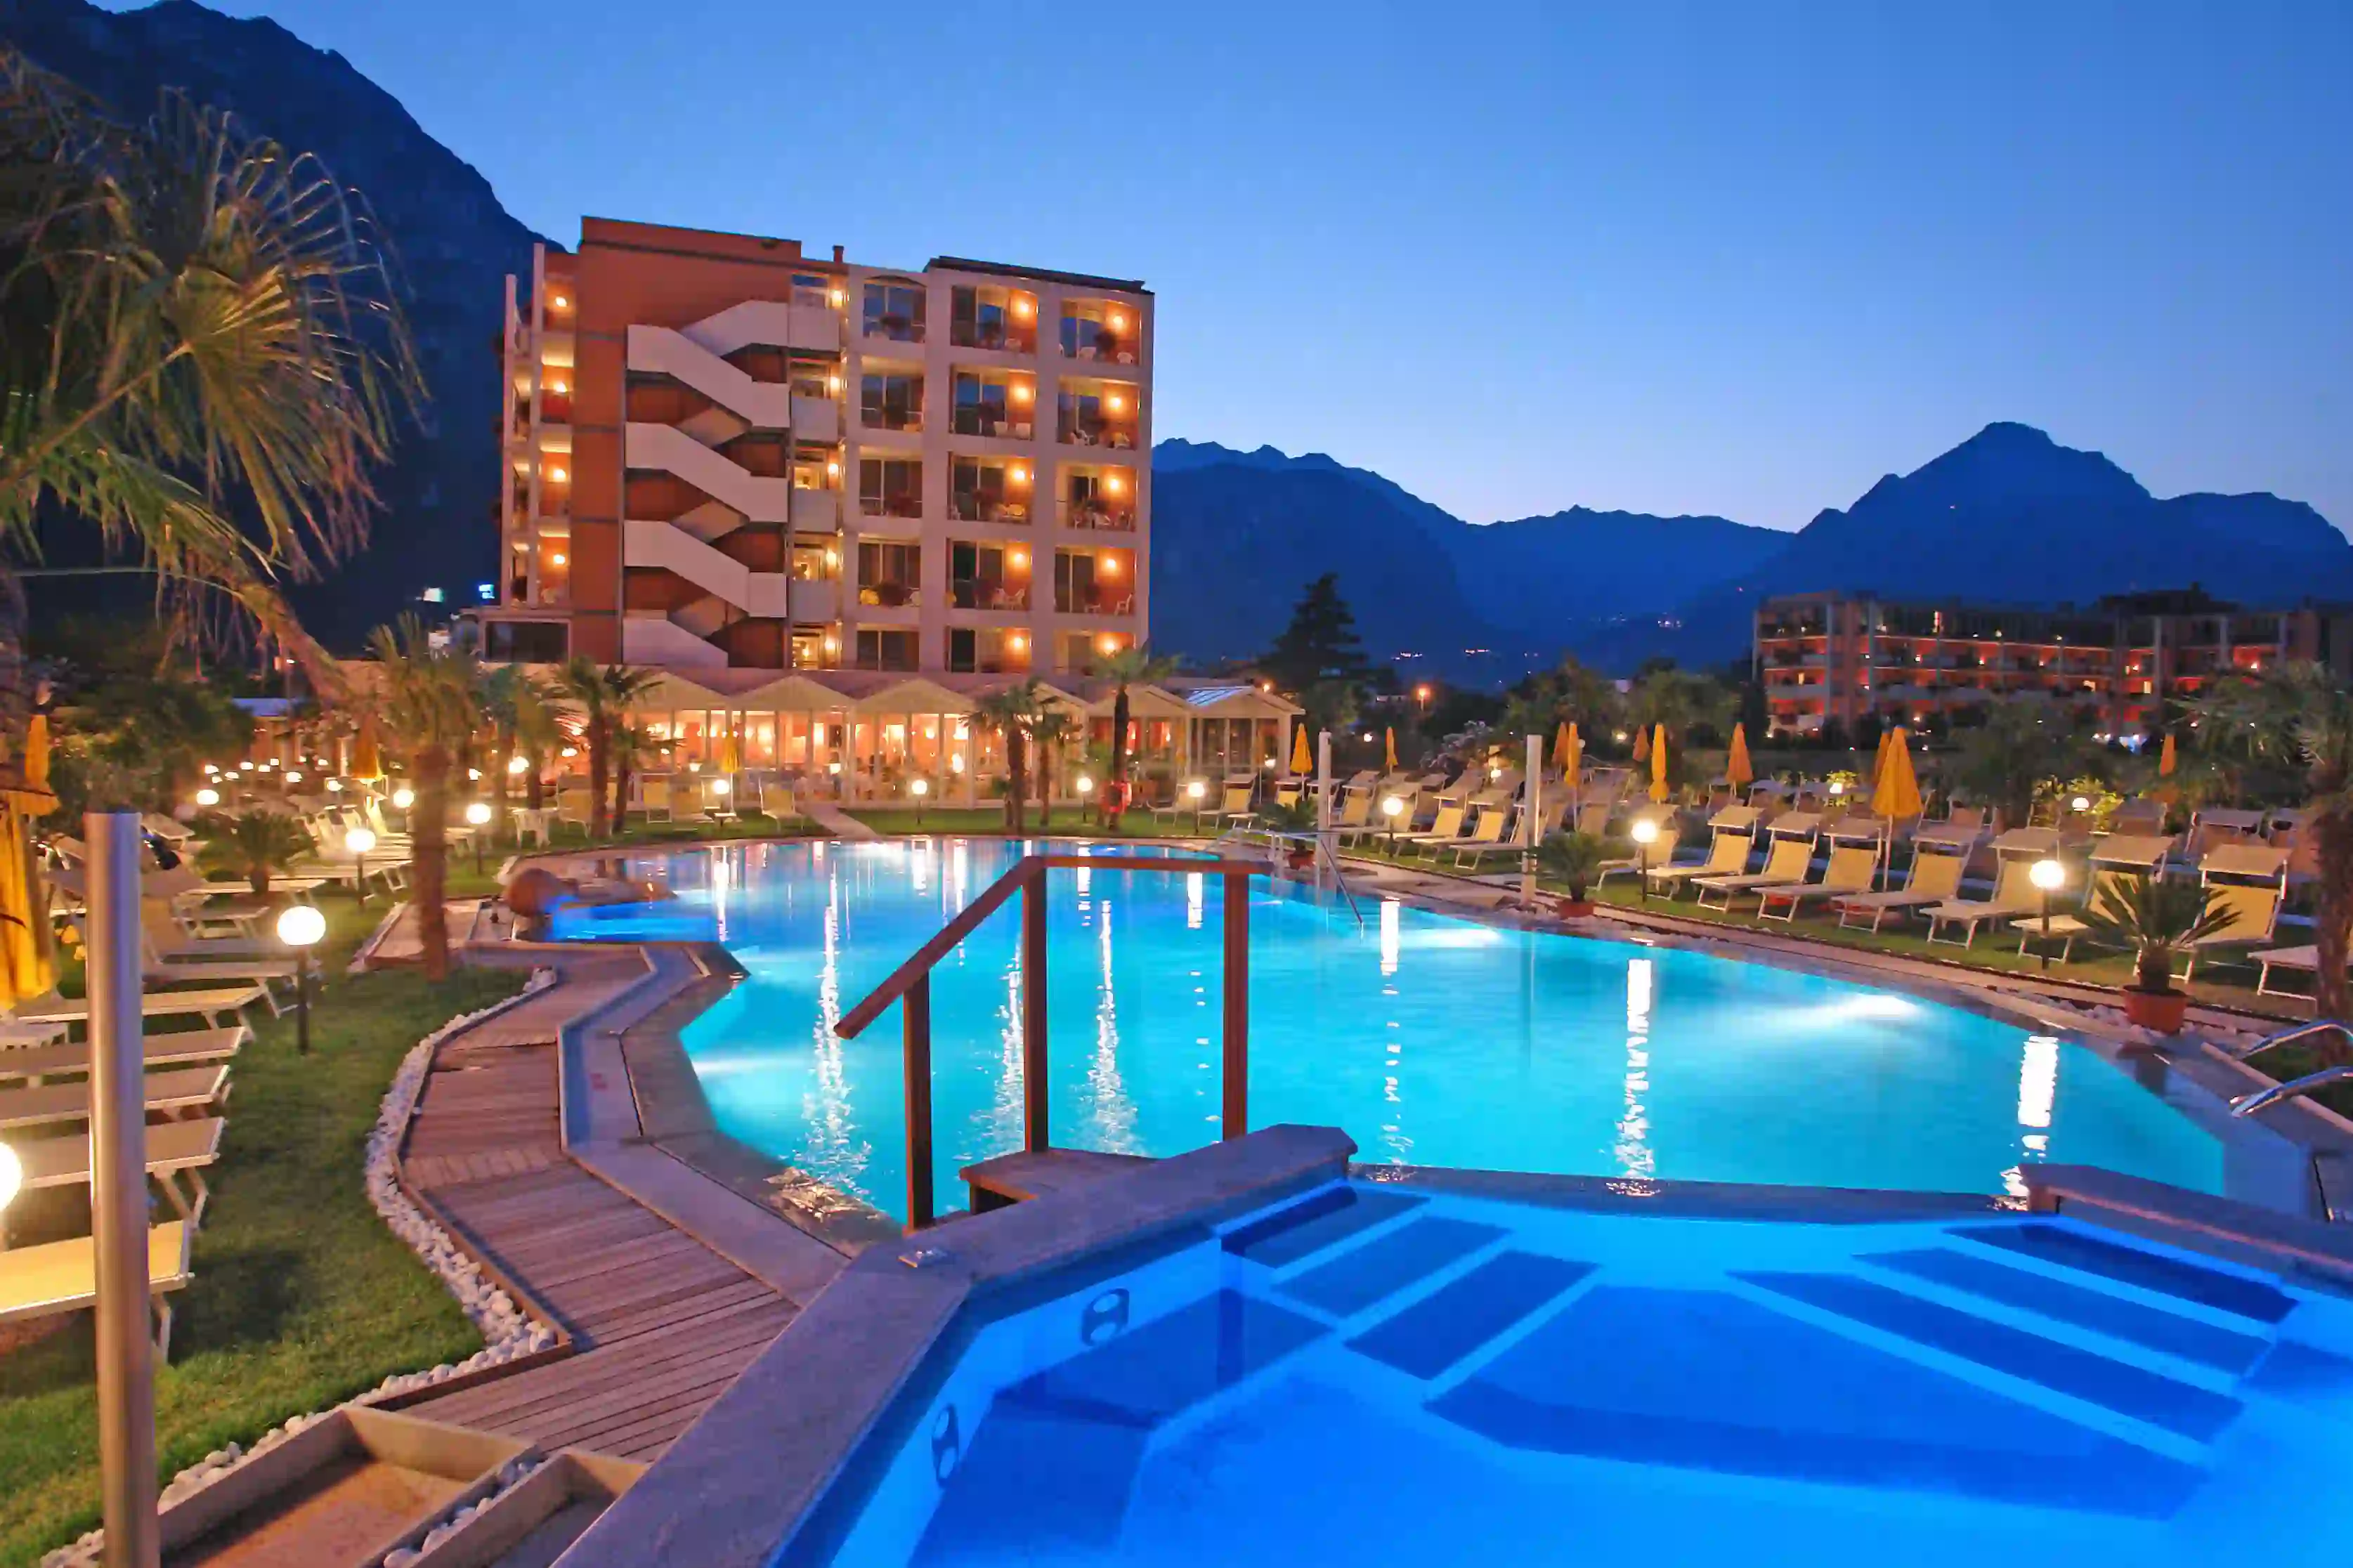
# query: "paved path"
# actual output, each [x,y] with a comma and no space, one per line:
[662,1322]
[835,820]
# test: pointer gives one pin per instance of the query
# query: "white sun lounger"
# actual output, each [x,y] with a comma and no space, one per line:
[2119,857]
[37,1064]
[62,1277]
[2294,959]
[174,1093]
[2252,907]
[174,1149]
[1852,869]
[1787,860]
[218,1006]
[1732,839]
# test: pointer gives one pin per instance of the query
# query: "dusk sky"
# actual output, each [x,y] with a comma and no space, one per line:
[1728,258]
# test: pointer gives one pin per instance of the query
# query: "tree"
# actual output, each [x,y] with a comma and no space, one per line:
[2296,714]
[2017,748]
[508,690]
[201,352]
[538,734]
[1052,732]
[431,704]
[1320,644]
[605,693]
[1694,706]
[1006,712]
[632,744]
[254,845]
[1129,667]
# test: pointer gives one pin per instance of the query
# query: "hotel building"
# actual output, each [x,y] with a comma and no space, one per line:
[1836,659]
[810,490]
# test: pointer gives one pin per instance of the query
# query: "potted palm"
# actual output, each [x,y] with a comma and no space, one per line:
[1572,859]
[2158,921]
[254,845]
[1299,816]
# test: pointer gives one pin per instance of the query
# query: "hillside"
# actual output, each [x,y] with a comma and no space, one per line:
[454,243]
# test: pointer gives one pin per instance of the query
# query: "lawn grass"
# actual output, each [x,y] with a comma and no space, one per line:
[302,1296]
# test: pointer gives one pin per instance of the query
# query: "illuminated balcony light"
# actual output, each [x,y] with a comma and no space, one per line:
[558,476]
[559,301]
[1118,321]
[1113,484]
[558,558]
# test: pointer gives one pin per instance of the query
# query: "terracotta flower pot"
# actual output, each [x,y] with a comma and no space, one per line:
[1572,908]
[2162,1011]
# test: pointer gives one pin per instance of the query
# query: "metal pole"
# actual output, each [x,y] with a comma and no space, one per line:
[1033,1011]
[303,1003]
[915,1062]
[1531,810]
[117,1169]
[1235,1119]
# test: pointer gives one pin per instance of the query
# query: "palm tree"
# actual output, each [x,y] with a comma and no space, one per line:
[632,744]
[202,355]
[1008,713]
[2297,715]
[1137,666]
[507,690]
[1052,730]
[2020,748]
[538,732]
[605,694]
[431,704]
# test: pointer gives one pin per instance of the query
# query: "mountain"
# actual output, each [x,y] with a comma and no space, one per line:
[453,242]
[1479,602]
[2011,517]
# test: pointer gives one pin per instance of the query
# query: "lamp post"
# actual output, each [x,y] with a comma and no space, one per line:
[300,927]
[2047,875]
[12,1176]
[1194,790]
[1086,785]
[477,817]
[359,841]
[919,788]
[208,797]
[402,798]
[1392,807]
[1646,832]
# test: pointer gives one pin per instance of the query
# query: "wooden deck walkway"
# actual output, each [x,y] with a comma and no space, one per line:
[662,1323]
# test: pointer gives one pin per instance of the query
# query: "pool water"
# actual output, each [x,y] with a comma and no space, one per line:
[1373,1374]
[1431,1040]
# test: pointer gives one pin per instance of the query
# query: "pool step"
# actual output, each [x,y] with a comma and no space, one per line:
[1320,1220]
[2071,1248]
[1465,1315]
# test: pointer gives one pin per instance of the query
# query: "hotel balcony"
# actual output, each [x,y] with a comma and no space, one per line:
[901,410]
[1001,320]
[817,512]
[890,593]
[1098,497]
[995,403]
[1099,331]
[1097,413]
[892,311]
[1098,517]
[1094,582]
[988,593]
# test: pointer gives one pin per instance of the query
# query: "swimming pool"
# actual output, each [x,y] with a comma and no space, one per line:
[1433,1041]
[1387,1374]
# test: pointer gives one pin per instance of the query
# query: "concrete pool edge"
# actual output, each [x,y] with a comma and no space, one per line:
[2268,1163]
[773,1472]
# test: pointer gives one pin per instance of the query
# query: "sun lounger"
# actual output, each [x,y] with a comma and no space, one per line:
[1661,851]
[1444,828]
[2294,959]
[174,1093]
[174,1150]
[218,1006]
[62,1277]
[1935,878]
[1852,869]
[2120,857]
[1234,806]
[2251,905]
[1786,859]
[1487,838]
[1732,836]
[33,1064]
[2014,894]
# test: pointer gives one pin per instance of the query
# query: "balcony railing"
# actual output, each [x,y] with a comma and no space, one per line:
[987,593]
[1097,346]
[893,503]
[966,507]
[1080,431]
[889,594]
[1007,340]
[894,329]
[999,423]
[1096,600]
[1095,515]
[890,417]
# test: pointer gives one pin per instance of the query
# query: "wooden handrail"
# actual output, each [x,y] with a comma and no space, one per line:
[859,1019]
[911,983]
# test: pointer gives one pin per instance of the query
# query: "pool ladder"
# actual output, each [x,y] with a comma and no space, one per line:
[2248,1104]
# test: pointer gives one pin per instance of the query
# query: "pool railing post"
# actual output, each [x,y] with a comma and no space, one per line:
[1033,1010]
[915,1034]
[1235,1117]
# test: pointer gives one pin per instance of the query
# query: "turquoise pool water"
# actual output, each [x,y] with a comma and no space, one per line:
[1431,1040]
[1379,1374]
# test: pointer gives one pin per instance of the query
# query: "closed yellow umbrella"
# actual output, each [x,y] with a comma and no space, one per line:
[1897,793]
[1572,754]
[366,764]
[1738,771]
[28,967]
[1560,744]
[1641,745]
[2166,759]
[1659,765]
[1302,762]
[1389,748]
[731,755]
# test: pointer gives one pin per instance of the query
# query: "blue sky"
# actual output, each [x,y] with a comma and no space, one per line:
[1731,259]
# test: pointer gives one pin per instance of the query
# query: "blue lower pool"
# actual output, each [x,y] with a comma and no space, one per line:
[1378,1373]
[1433,1041]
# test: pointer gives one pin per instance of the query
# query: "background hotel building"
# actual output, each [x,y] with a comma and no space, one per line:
[725,454]
[834,504]
[1839,658]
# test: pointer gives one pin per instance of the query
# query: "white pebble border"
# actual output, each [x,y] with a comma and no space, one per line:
[506,1332]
